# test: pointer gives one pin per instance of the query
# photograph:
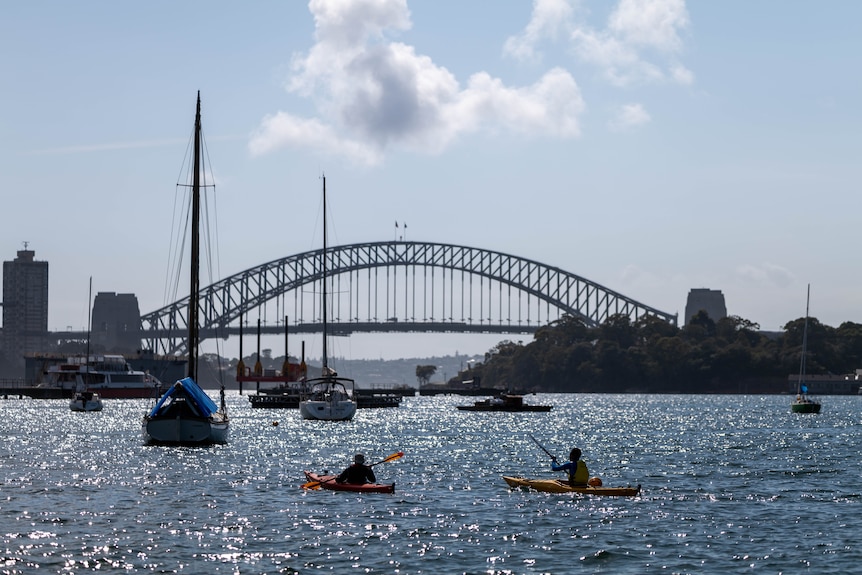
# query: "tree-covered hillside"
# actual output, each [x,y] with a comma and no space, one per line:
[650,355]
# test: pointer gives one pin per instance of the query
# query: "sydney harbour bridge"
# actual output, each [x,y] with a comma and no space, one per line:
[393,286]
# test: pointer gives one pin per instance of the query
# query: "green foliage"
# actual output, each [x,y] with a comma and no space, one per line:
[649,354]
[424,373]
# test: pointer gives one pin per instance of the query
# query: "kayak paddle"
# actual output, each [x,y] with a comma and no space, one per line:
[542,447]
[316,484]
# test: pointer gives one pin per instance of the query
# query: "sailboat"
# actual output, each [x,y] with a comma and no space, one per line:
[85,399]
[803,403]
[185,414]
[328,397]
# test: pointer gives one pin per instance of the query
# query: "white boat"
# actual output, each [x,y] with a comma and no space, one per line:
[185,414]
[110,376]
[803,402]
[329,399]
[86,401]
[328,396]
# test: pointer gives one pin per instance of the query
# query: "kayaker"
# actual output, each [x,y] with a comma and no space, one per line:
[358,473]
[576,468]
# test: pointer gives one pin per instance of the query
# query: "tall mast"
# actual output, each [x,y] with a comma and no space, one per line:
[325,363]
[802,360]
[89,328]
[194,288]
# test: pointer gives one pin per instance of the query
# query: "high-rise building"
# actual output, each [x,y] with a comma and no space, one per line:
[116,322]
[25,306]
[709,300]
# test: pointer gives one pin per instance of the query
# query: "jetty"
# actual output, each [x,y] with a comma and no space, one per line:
[18,388]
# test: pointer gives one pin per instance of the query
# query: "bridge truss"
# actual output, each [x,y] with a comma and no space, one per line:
[396,286]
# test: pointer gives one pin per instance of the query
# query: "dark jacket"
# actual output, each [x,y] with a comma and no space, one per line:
[357,474]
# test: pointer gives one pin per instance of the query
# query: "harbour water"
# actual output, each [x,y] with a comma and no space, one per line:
[731,484]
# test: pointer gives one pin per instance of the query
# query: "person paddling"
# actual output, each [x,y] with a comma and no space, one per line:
[576,468]
[358,473]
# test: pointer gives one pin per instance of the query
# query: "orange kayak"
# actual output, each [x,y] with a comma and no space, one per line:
[328,482]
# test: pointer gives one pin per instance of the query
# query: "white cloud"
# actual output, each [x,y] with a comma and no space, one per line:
[639,43]
[549,19]
[283,129]
[373,93]
[650,23]
[630,116]
[681,75]
[766,274]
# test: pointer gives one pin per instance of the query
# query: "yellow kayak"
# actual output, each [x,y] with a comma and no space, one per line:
[558,486]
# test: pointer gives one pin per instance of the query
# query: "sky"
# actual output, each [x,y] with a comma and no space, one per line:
[651,146]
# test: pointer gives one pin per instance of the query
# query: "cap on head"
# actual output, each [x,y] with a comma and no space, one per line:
[359,459]
[575,454]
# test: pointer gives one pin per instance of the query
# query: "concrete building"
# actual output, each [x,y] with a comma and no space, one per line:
[116,322]
[709,300]
[25,307]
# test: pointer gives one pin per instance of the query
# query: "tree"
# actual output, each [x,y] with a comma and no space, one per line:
[650,354]
[700,326]
[618,328]
[652,327]
[734,328]
[424,373]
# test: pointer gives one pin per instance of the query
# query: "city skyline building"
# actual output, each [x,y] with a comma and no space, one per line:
[116,322]
[25,307]
[709,300]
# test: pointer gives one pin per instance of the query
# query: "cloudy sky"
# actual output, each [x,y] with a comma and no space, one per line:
[652,146]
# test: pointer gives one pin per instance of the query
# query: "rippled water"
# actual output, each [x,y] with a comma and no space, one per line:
[730,484]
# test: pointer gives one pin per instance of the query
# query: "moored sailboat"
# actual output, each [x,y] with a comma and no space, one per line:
[86,401]
[803,402]
[185,414]
[329,396]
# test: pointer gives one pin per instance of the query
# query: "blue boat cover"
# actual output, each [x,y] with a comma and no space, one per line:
[196,396]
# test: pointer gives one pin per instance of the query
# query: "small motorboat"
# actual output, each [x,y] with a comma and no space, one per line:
[504,402]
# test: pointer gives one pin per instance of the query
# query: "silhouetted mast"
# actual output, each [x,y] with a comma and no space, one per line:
[195,255]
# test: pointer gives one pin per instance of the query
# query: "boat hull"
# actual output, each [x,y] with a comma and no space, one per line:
[805,407]
[540,408]
[110,376]
[86,402]
[127,392]
[510,402]
[327,410]
[558,486]
[184,431]
[105,391]
[274,401]
[328,482]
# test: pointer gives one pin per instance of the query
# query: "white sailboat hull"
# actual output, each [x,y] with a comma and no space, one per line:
[327,410]
[81,403]
[184,430]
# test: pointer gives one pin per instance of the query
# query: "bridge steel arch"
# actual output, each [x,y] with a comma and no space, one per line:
[227,300]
